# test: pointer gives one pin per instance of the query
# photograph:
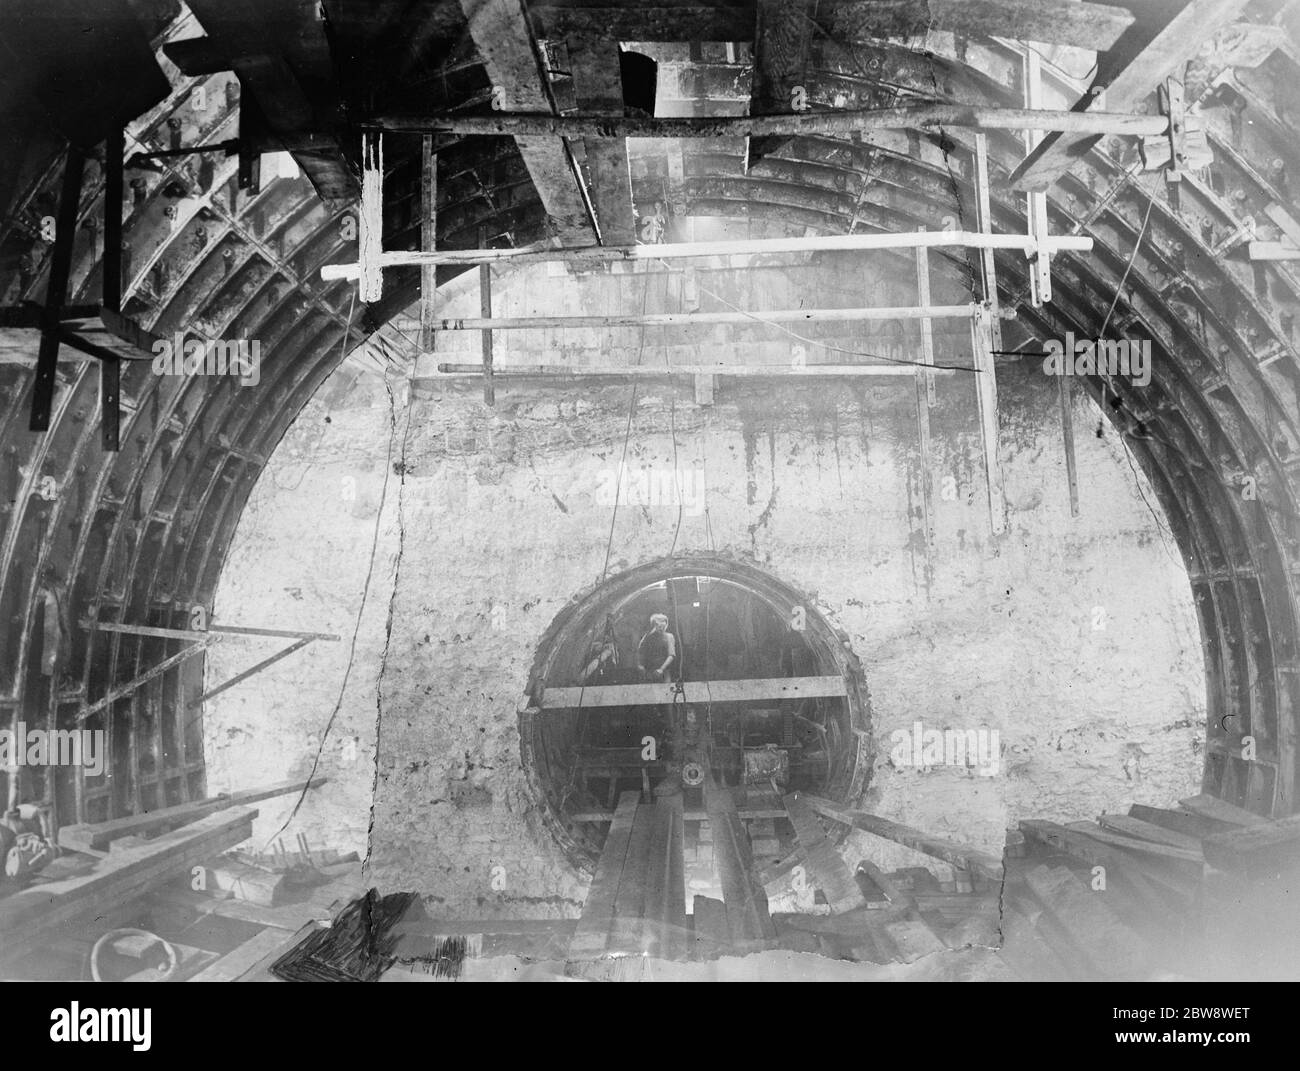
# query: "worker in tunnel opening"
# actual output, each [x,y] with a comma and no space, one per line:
[656,654]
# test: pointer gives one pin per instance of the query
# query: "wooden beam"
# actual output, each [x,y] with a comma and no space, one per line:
[665,891]
[1104,942]
[1140,830]
[239,678]
[782,36]
[509,54]
[1260,851]
[959,855]
[110,370]
[624,372]
[1082,25]
[239,961]
[598,87]
[56,289]
[739,691]
[212,631]
[288,100]
[840,123]
[1141,846]
[1221,811]
[1066,407]
[428,238]
[825,867]
[746,902]
[1119,865]
[33,916]
[1273,251]
[925,312]
[100,835]
[485,312]
[591,936]
[1184,821]
[986,397]
[740,247]
[1142,59]
[746,813]
[114,694]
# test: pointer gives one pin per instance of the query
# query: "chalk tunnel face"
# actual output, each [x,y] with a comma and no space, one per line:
[682,670]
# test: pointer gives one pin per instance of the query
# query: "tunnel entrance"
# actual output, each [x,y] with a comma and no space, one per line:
[683,671]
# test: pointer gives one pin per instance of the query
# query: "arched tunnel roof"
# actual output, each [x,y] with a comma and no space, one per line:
[140,534]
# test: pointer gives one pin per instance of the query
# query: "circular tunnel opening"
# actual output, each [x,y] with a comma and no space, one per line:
[686,671]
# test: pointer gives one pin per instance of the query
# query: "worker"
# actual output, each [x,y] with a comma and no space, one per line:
[657,651]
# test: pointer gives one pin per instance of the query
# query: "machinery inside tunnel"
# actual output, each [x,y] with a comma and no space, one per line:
[708,482]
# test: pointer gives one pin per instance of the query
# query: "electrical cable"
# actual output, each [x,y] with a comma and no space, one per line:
[365,590]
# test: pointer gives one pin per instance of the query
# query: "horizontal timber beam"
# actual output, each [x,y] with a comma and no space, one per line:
[688,319]
[961,856]
[196,634]
[624,695]
[841,122]
[744,247]
[614,371]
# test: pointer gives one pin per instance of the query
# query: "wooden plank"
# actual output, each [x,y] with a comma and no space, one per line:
[56,288]
[1137,829]
[841,122]
[505,45]
[1119,865]
[261,970]
[1256,851]
[1285,222]
[665,894]
[1082,25]
[1111,948]
[1143,57]
[598,87]
[712,935]
[241,960]
[924,312]
[428,238]
[1273,251]
[591,936]
[29,917]
[625,695]
[783,34]
[100,835]
[746,902]
[1179,821]
[963,857]
[485,309]
[825,867]
[1145,847]
[1026,952]
[630,899]
[1213,807]
[448,369]
[986,398]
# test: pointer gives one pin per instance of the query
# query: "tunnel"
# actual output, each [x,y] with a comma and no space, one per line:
[457,577]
